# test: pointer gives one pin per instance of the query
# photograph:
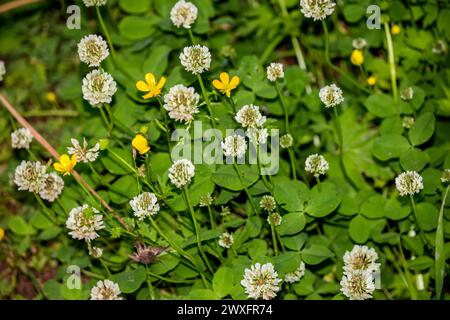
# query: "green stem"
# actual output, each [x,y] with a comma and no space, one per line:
[105,119]
[208,103]
[211,217]
[110,115]
[421,235]
[157,276]
[339,133]
[191,36]
[46,210]
[391,60]
[300,58]
[293,165]
[51,113]
[283,105]
[318,183]
[440,250]
[274,238]
[245,189]
[264,178]
[105,31]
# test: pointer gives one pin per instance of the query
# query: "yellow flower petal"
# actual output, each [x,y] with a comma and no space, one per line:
[225,78]
[234,82]
[148,95]
[218,85]
[64,159]
[73,161]
[142,86]
[161,84]
[58,167]
[150,79]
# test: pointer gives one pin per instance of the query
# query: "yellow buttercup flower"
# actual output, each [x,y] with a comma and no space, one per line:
[357,57]
[140,143]
[224,85]
[2,234]
[51,97]
[371,80]
[151,86]
[65,164]
[395,29]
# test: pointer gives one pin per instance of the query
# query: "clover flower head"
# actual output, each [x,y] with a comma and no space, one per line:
[261,281]
[317,9]
[225,211]
[274,219]
[96,3]
[96,252]
[358,285]
[21,138]
[92,50]
[257,136]
[30,176]
[83,154]
[408,122]
[286,141]
[145,254]
[196,59]
[445,177]
[268,203]
[359,43]
[249,116]
[84,222]
[440,47]
[295,276]
[2,69]
[409,183]
[361,258]
[106,290]
[98,88]
[316,165]
[183,14]
[181,172]
[226,240]
[331,95]
[52,187]
[144,205]
[205,200]
[234,146]
[407,94]
[182,103]
[275,71]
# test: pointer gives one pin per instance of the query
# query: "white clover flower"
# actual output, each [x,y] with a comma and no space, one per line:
[30,176]
[275,71]
[274,219]
[295,276]
[359,43]
[407,94]
[183,14]
[268,203]
[92,50]
[261,281]
[21,138]
[249,116]
[52,187]
[196,59]
[286,141]
[182,103]
[2,69]
[84,222]
[317,9]
[257,136]
[96,252]
[409,183]
[361,258]
[92,3]
[316,165]
[445,177]
[408,122]
[226,240]
[358,285]
[98,88]
[234,146]
[205,200]
[331,95]
[106,290]
[144,205]
[181,172]
[83,153]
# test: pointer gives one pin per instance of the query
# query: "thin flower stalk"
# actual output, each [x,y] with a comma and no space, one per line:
[391,60]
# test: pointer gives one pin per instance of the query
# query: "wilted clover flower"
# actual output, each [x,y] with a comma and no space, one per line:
[84,222]
[83,153]
[181,102]
[361,258]
[274,219]
[407,94]
[439,47]
[92,3]
[226,240]
[317,9]
[52,187]
[249,116]
[316,165]
[225,211]
[234,146]
[183,14]
[331,95]
[205,200]
[275,71]
[261,281]
[268,203]
[408,122]
[358,285]
[286,141]
[98,88]
[106,290]
[295,276]
[257,136]
[144,205]
[30,176]
[181,172]
[21,138]
[196,59]
[96,252]
[409,183]
[2,69]
[359,43]
[445,177]
[92,50]
[146,255]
